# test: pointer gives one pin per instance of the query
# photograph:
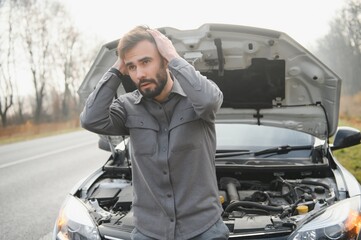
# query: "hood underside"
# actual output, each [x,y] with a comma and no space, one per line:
[266,77]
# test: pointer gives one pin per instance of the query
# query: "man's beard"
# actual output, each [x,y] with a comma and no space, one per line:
[162,78]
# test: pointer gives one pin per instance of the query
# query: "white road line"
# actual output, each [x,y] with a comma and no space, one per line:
[44,155]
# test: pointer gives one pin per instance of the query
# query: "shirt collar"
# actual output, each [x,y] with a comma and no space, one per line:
[175,89]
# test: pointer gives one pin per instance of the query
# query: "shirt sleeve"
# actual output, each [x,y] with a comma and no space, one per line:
[100,114]
[204,94]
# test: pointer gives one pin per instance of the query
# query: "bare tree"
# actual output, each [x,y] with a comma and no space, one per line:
[56,53]
[341,47]
[6,61]
[69,38]
[38,40]
[351,17]
[84,53]
[72,57]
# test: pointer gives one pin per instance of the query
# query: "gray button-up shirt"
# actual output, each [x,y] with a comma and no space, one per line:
[173,146]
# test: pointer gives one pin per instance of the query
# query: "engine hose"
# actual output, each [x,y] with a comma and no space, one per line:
[253,211]
[315,183]
[332,192]
[234,205]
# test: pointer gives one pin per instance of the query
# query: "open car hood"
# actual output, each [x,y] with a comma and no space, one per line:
[267,78]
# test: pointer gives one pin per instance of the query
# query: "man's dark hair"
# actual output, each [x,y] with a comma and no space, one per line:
[132,38]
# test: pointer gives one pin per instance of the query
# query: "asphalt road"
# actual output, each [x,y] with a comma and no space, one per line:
[35,177]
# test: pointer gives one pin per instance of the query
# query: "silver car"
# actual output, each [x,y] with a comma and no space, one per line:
[277,176]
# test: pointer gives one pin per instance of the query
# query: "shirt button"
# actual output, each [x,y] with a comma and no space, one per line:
[165,129]
[165,172]
[169,195]
[172,220]
[164,149]
[107,76]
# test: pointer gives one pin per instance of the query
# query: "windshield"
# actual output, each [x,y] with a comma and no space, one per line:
[252,137]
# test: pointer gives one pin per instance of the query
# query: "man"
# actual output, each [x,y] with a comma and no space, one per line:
[170,121]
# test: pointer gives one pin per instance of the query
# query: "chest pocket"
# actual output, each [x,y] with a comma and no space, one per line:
[183,117]
[186,131]
[143,134]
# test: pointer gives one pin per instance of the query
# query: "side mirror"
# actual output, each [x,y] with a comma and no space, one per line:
[108,143]
[104,145]
[346,137]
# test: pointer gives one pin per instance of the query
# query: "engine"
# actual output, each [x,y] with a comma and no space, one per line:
[273,205]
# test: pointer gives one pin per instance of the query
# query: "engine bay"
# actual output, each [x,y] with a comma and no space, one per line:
[271,205]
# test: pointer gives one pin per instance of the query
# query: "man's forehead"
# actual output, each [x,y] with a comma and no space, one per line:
[140,52]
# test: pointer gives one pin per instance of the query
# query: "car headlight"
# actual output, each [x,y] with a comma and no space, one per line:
[74,222]
[340,221]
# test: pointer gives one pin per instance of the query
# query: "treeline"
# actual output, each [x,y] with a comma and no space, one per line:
[43,58]
[340,49]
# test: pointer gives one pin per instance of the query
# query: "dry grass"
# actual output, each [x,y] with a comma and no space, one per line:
[350,107]
[30,131]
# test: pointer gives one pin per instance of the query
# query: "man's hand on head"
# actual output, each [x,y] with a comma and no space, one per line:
[120,65]
[165,46]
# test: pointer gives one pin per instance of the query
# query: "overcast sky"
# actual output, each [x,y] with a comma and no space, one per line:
[303,20]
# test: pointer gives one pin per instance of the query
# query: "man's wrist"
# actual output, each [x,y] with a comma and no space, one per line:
[116,72]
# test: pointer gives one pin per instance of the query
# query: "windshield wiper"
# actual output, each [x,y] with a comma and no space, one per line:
[282,149]
[231,153]
[277,150]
